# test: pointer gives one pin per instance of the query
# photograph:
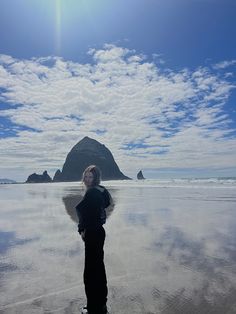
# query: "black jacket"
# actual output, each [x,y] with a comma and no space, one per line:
[91,209]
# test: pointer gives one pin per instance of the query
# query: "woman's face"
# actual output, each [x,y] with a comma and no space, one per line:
[88,178]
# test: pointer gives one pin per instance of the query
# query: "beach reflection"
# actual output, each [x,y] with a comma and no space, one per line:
[168,250]
[175,252]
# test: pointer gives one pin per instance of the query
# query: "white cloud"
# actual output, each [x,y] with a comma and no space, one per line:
[178,116]
[224,64]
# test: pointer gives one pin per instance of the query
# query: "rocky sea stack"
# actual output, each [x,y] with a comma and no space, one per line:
[39,178]
[89,152]
[140,175]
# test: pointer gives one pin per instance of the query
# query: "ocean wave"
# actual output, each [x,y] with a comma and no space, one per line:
[182,182]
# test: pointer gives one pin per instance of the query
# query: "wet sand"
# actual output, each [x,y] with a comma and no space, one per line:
[168,250]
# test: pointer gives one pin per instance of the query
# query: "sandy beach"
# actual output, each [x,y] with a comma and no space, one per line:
[170,248]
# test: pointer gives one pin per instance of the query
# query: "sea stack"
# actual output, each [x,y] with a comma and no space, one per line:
[89,152]
[39,178]
[140,175]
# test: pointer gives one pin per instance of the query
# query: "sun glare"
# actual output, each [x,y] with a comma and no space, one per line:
[66,12]
[58,26]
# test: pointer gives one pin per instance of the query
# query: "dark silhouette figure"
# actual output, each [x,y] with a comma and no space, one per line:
[94,272]
[92,215]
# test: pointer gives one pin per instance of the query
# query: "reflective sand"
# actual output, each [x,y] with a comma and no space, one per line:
[169,249]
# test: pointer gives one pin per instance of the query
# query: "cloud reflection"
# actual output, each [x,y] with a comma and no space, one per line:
[168,250]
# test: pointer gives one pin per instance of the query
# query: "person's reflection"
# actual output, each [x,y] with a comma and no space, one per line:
[71,200]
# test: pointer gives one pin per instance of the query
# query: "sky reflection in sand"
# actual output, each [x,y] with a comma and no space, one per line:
[168,249]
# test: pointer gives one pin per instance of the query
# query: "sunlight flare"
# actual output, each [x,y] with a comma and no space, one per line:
[58,26]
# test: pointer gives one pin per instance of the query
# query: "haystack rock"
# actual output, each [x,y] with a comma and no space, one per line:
[140,175]
[39,178]
[85,153]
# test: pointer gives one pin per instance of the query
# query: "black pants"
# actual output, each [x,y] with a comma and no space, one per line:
[94,271]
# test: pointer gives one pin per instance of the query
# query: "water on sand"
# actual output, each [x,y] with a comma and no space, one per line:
[170,248]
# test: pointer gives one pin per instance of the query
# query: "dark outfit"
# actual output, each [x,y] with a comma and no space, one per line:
[92,215]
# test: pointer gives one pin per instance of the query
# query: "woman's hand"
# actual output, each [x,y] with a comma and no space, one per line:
[83,235]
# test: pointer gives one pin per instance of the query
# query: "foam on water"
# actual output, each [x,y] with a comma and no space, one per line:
[184,182]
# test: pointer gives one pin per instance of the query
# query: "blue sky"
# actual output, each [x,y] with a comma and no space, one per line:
[153,80]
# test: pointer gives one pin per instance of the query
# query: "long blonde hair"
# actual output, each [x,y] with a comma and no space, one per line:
[96,174]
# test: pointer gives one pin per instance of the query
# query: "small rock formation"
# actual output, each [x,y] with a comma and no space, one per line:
[57,176]
[89,152]
[39,178]
[140,175]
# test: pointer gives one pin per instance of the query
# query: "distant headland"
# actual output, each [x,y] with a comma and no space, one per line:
[7,181]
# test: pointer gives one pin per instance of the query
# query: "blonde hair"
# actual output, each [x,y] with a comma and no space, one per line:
[96,174]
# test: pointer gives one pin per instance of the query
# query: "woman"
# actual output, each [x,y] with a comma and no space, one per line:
[92,215]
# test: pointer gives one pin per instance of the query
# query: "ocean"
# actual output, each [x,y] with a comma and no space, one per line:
[170,247]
